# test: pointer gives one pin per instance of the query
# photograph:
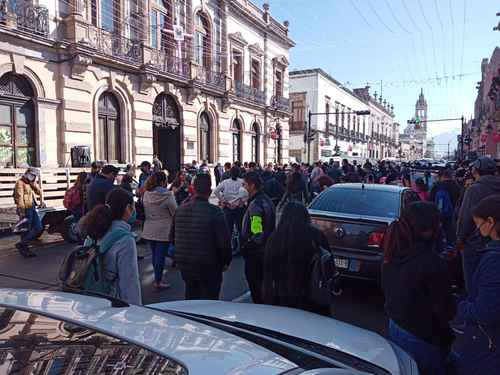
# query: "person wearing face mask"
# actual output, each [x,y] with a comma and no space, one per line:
[477,324]
[109,226]
[468,239]
[24,196]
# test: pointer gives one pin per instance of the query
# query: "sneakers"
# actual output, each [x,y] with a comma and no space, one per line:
[24,250]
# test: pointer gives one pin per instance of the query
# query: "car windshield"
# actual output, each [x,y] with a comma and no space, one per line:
[35,344]
[363,202]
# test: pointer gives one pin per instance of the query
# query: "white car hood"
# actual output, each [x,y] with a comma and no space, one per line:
[202,349]
[349,339]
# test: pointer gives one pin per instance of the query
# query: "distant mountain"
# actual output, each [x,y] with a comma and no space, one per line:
[441,141]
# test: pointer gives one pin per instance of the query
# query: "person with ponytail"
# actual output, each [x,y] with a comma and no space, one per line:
[109,226]
[417,288]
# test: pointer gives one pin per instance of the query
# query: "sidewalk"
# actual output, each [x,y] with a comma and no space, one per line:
[8,243]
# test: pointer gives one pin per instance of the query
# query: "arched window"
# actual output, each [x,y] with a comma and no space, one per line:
[109,142]
[256,143]
[17,121]
[202,41]
[205,137]
[236,129]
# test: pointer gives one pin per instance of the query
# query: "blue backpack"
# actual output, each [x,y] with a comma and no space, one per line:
[444,204]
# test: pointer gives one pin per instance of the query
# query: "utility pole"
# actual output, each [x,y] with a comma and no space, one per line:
[308,137]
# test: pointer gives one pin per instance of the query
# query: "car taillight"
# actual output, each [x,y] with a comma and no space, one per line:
[376,239]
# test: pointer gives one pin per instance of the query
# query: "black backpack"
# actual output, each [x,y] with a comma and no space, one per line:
[323,278]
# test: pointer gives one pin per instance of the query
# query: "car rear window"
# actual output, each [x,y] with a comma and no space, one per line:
[35,344]
[362,202]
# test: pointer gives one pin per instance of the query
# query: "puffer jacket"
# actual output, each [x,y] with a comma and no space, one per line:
[202,239]
[259,222]
[478,318]
[24,195]
[159,207]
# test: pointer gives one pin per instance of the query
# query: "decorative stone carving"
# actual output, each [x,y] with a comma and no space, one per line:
[147,80]
[281,60]
[256,49]
[80,65]
[237,37]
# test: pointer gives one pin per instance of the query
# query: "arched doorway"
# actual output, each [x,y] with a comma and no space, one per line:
[109,135]
[255,143]
[17,121]
[236,129]
[205,137]
[167,133]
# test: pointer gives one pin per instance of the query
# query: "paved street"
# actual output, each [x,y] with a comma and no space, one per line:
[361,304]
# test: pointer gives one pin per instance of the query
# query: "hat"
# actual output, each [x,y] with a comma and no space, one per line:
[107,169]
[33,171]
[485,164]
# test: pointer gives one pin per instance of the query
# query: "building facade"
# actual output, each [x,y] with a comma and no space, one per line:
[481,135]
[345,123]
[415,133]
[182,79]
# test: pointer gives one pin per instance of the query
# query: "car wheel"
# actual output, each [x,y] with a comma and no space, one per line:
[70,231]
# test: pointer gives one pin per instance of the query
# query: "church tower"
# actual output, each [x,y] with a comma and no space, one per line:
[421,110]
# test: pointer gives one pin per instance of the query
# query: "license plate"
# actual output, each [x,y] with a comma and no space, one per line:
[342,263]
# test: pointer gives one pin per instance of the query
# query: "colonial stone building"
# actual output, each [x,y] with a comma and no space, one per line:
[183,79]
[357,125]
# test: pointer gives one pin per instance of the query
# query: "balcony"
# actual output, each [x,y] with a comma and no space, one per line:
[166,63]
[210,78]
[281,104]
[30,19]
[249,93]
[118,47]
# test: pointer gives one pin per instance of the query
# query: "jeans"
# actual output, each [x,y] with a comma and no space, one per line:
[234,216]
[202,287]
[34,225]
[159,252]
[430,358]
[254,272]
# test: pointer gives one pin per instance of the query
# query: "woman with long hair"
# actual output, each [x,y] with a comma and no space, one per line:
[287,262]
[296,191]
[180,187]
[418,298]
[109,226]
[478,316]
[74,199]
[159,209]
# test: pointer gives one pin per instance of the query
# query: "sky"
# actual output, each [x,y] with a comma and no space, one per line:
[398,47]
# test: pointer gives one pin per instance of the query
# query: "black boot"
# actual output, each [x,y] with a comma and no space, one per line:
[24,250]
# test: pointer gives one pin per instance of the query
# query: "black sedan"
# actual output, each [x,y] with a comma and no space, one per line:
[354,218]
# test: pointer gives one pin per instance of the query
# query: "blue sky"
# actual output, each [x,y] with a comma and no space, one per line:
[406,44]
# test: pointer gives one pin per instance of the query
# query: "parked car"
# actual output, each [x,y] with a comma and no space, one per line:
[43,332]
[354,218]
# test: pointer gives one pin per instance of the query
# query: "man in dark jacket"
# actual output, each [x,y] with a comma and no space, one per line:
[100,186]
[202,243]
[446,187]
[468,239]
[258,224]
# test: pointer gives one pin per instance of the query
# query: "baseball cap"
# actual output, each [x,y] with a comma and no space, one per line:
[107,169]
[485,164]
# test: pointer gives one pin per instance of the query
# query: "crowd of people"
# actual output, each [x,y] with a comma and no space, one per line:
[260,212]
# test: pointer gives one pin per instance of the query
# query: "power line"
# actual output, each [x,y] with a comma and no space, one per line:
[452,21]
[442,35]
[361,14]
[416,27]
[432,32]
[396,18]
[380,18]
[463,37]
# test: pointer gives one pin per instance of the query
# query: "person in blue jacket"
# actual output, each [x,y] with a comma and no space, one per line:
[477,324]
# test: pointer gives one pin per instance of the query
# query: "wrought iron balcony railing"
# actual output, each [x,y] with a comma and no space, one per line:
[27,18]
[211,78]
[170,64]
[281,103]
[116,46]
[248,92]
